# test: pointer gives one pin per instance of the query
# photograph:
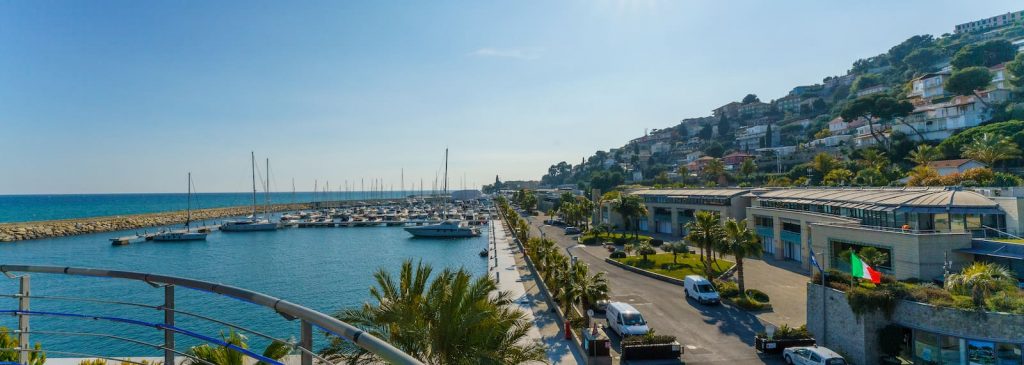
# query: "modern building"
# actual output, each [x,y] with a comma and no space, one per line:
[730,110]
[918,228]
[992,22]
[755,109]
[668,210]
[756,136]
[788,104]
[958,166]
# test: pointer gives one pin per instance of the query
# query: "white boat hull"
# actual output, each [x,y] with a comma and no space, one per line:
[249,226]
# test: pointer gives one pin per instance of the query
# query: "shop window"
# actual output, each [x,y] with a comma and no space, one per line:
[926,348]
[949,348]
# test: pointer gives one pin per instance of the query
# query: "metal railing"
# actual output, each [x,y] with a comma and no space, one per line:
[308,318]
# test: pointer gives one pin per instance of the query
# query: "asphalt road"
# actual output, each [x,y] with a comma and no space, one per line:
[710,334]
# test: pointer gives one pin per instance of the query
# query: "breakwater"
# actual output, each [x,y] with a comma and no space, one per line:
[10,232]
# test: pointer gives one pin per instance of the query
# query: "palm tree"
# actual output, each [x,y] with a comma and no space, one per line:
[980,280]
[453,319]
[714,170]
[631,207]
[873,158]
[223,355]
[704,232]
[990,149]
[924,154]
[741,242]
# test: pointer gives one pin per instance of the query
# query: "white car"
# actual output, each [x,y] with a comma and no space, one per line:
[700,289]
[812,355]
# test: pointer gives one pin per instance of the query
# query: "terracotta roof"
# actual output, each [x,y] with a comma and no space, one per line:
[739,154]
[949,163]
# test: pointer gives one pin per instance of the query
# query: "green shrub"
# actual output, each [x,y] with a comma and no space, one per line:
[882,298]
[963,302]
[618,255]
[929,293]
[649,339]
[785,332]
[656,242]
[749,304]
[758,295]
[619,240]
[1006,302]
[93,362]
[727,289]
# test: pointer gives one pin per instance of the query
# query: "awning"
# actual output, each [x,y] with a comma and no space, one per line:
[994,249]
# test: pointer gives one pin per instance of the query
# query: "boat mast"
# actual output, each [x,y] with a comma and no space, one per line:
[188,216]
[252,157]
[266,207]
[445,193]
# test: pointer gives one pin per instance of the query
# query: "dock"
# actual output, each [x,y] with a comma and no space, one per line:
[369,224]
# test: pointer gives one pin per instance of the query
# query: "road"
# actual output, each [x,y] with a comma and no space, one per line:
[711,334]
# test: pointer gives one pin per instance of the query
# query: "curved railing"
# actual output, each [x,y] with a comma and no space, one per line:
[286,309]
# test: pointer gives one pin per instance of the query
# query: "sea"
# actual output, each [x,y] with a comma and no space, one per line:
[325,269]
[26,208]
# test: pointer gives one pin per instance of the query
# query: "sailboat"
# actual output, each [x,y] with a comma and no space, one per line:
[253,223]
[449,228]
[185,234]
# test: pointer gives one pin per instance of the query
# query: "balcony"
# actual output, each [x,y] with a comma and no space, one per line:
[166,317]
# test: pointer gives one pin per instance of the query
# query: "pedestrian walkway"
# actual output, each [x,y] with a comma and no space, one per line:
[507,265]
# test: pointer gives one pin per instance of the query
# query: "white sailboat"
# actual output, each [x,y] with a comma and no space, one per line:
[185,234]
[254,222]
[449,228]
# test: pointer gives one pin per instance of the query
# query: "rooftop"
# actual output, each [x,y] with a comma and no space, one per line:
[949,163]
[910,200]
[723,192]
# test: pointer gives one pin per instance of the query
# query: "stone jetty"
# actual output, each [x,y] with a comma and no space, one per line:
[18,231]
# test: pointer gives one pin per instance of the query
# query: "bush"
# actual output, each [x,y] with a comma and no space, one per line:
[618,255]
[727,289]
[93,362]
[1006,302]
[963,302]
[620,240]
[882,298]
[656,242]
[649,339]
[785,332]
[757,295]
[749,304]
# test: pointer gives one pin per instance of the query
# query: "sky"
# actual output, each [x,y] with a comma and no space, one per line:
[129,96]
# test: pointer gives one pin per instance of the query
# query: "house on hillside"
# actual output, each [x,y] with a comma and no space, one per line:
[928,86]
[698,165]
[877,89]
[788,104]
[755,109]
[949,167]
[733,160]
[730,110]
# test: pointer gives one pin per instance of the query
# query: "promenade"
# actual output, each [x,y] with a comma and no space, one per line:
[507,265]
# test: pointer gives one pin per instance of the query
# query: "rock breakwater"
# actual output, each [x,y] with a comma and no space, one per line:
[19,231]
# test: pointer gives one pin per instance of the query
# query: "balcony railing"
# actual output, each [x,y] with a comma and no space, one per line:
[308,319]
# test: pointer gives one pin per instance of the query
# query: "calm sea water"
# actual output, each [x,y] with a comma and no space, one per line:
[25,208]
[326,269]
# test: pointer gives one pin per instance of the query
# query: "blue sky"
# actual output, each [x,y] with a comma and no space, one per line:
[126,96]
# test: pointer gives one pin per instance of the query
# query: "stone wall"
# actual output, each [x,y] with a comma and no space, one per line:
[840,330]
[67,227]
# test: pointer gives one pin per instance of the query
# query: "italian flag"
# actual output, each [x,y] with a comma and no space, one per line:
[860,269]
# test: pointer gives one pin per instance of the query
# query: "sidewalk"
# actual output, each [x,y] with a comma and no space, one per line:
[506,264]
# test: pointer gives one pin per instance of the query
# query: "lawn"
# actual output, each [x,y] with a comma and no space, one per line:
[590,238]
[687,264]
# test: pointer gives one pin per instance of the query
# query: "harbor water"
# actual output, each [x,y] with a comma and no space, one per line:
[325,269]
[26,208]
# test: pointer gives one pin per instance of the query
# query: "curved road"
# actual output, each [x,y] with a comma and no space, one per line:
[711,334]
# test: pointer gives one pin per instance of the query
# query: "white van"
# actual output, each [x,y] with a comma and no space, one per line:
[625,320]
[700,289]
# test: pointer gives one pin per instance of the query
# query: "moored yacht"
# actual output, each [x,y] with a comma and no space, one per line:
[184,234]
[447,229]
[253,223]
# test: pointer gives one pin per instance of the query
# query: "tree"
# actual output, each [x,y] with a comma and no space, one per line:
[683,172]
[969,81]
[865,81]
[989,149]
[922,58]
[871,176]
[838,177]
[224,355]
[750,98]
[705,232]
[748,168]
[450,319]
[905,48]
[872,158]
[631,207]
[591,287]
[714,149]
[824,133]
[986,54]
[823,163]
[714,170]
[645,249]
[882,107]
[741,242]
[8,341]
[981,280]
[922,175]
[676,248]
[924,154]
[1015,69]
[662,179]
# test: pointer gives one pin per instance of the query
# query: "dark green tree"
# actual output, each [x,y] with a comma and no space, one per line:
[920,59]
[986,54]
[750,98]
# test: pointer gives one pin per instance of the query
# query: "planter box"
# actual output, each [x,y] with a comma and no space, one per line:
[652,352]
[776,346]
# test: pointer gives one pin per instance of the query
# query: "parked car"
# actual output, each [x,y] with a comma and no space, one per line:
[812,355]
[572,230]
[700,289]
[625,320]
